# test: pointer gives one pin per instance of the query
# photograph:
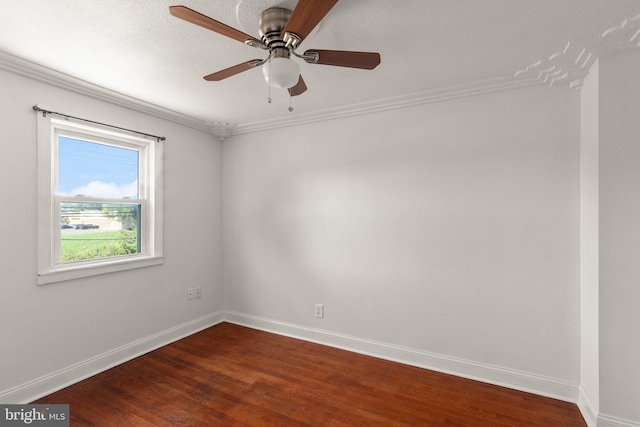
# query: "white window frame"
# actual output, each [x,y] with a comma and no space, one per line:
[50,268]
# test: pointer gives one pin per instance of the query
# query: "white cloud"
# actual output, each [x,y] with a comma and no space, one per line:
[106,190]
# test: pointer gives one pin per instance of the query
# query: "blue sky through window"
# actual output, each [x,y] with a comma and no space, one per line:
[96,170]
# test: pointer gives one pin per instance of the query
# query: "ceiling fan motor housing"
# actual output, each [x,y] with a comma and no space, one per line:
[278,71]
[272,22]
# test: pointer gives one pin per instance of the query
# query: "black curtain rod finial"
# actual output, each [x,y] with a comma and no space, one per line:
[36,108]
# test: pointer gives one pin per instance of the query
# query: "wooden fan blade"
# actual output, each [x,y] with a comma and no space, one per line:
[306,15]
[194,17]
[344,58]
[232,71]
[299,88]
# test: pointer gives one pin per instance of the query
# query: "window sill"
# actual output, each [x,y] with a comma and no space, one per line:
[80,271]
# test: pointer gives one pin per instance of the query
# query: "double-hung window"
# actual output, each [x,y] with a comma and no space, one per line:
[99,200]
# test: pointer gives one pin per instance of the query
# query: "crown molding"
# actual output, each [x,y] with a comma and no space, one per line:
[418,98]
[571,64]
[564,67]
[224,131]
[568,66]
[43,74]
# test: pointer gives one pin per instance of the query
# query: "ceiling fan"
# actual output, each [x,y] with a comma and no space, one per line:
[282,31]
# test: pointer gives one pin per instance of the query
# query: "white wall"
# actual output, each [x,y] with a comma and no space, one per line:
[450,228]
[619,104]
[48,332]
[589,245]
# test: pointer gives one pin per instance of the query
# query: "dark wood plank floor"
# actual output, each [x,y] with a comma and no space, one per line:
[230,375]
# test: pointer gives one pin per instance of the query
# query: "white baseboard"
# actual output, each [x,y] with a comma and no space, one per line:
[55,381]
[594,419]
[587,408]
[609,421]
[511,378]
[518,380]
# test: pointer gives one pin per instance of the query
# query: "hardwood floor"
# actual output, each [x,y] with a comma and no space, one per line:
[229,375]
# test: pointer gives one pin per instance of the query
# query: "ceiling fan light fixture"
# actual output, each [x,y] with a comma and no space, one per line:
[281,32]
[281,72]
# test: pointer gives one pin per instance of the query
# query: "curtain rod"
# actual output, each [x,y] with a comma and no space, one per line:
[45,112]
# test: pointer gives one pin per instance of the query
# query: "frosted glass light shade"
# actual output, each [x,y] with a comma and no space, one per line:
[284,72]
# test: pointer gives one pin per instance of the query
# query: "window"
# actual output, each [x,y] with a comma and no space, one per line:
[99,201]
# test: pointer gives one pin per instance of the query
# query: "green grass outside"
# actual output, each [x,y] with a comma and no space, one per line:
[89,245]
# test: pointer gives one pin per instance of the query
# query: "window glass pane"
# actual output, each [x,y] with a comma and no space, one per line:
[96,170]
[98,230]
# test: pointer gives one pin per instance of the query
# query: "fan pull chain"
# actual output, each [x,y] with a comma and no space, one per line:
[269,98]
[290,101]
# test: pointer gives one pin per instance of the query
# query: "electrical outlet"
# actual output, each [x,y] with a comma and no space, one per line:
[198,292]
[190,293]
[319,311]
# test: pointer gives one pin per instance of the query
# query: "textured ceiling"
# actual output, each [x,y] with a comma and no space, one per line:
[427,46]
